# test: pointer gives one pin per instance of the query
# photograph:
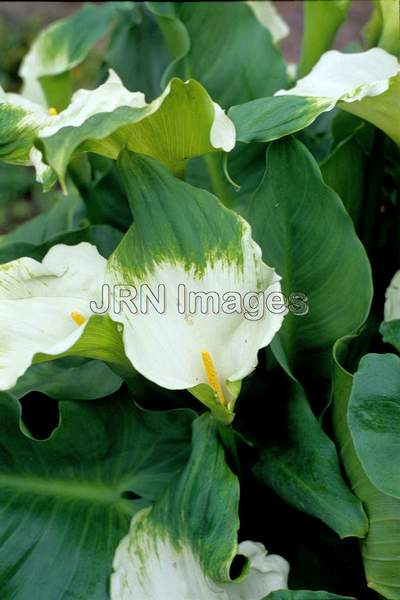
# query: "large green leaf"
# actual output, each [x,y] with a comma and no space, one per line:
[66,501]
[321,22]
[305,232]
[223,46]
[374,420]
[139,38]
[343,169]
[381,547]
[302,467]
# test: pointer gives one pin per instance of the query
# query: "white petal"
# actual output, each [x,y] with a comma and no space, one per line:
[268,573]
[269,17]
[147,565]
[166,347]
[150,568]
[86,103]
[348,77]
[392,303]
[36,302]
[223,133]
[44,174]
[38,112]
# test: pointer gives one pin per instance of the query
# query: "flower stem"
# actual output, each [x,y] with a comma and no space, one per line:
[217,177]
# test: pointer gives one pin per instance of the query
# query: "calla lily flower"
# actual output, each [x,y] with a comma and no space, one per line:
[45,306]
[392,302]
[147,565]
[186,243]
[181,123]
[183,546]
[366,84]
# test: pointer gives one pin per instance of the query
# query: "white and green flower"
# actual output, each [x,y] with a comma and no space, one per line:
[45,311]
[366,84]
[149,565]
[186,241]
[183,546]
[63,45]
[181,123]
[44,307]
[392,301]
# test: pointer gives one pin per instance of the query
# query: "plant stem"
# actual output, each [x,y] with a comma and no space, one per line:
[217,178]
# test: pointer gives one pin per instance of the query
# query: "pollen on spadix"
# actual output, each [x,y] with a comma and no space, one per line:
[212,376]
[52,112]
[78,318]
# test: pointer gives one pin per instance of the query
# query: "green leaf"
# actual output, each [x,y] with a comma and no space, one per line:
[344,168]
[104,195]
[304,595]
[390,331]
[65,214]
[267,119]
[374,420]
[67,379]
[224,47]
[302,467]
[66,499]
[14,183]
[62,46]
[305,232]
[381,547]
[321,22]
[141,39]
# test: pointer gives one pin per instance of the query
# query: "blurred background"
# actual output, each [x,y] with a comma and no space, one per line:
[20,198]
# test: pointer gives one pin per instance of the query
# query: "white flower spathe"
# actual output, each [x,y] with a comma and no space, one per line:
[149,566]
[347,77]
[392,301]
[44,306]
[167,347]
